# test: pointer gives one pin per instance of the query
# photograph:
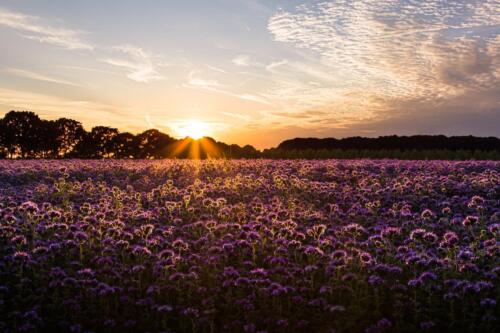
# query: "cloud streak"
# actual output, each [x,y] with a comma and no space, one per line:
[39,77]
[195,81]
[33,27]
[242,60]
[141,65]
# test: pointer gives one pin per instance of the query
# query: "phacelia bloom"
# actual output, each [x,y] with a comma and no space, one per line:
[335,308]
[86,273]
[312,250]
[430,237]
[338,254]
[425,325]
[375,280]
[427,276]
[450,237]
[80,236]
[354,229]
[414,282]
[417,234]
[427,214]
[191,312]
[141,251]
[21,256]
[475,201]
[19,240]
[250,328]
[381,326]
[390,232]
[365,258]
[259,272]
[30,207]
[406,211]
[470,220]
[494,229]
[164,308]
[488,302]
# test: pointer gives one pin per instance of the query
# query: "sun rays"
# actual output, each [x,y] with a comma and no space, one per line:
[201,148]
[196,143]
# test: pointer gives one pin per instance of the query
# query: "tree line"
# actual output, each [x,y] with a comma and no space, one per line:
[415,147]
[23,134]
[400,154]
[394,142]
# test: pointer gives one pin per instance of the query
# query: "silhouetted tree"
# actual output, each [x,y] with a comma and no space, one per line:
[68,134]
[47,140]
[249,151]
[3,143]
[126,145]
[21,133]
[153,144]
[99,143]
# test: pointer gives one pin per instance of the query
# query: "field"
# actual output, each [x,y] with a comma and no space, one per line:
[249,246]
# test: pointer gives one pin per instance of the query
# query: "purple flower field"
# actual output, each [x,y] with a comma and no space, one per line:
[249,246]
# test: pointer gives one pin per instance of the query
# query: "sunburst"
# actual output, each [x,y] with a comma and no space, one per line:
[194,129]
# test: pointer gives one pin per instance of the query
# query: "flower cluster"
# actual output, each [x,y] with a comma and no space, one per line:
[249,246]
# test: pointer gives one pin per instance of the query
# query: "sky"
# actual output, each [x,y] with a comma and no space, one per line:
[256,72]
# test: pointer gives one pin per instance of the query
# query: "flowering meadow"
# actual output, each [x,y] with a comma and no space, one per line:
[249,246]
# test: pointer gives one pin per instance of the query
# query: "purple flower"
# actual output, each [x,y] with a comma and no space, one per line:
[365,258]
[427,214]
[488,302]
[375,280]
[470,220]
[425,325]
[430,237]
[164,308]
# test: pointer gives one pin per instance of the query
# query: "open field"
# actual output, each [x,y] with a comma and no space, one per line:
[252,246]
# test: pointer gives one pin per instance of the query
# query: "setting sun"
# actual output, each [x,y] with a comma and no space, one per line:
[195,129]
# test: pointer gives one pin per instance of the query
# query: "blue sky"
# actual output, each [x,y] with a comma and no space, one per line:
[256,71]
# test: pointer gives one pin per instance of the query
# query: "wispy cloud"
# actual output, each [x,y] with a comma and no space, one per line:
[196,81]
[39,77]
[141,65]
[254,98]
[217,69]
[238,116]
[33,27]
[89,69]
[242,60]
[275,64]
